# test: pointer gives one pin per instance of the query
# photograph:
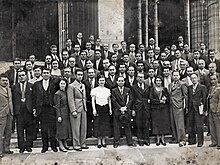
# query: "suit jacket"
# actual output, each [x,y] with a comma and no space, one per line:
[109,84]
[38,94]
[11,75]
[217,62]
[76,97]
[198,97]
[140,97]
[82,45]
[70,51]
[88,89]
[178,93]
[148,81]
[193,65]
[120,100]
[100,66]
[127,83]
[208,81]
[202,76]
[108,54]
[214,99]
[16,98]
[6,106]
[183,74]
[80,65]
[173,63]
[187,81]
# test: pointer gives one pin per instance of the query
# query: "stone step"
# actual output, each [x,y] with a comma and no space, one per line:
[93,141]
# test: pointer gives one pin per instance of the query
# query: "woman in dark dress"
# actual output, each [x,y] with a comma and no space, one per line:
[159,99]
[62,115]
[101,105]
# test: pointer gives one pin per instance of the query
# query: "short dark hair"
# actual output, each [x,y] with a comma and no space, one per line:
[158,76]
[16,59]
[63,79]
[100,76]
[78,70]
[3,75]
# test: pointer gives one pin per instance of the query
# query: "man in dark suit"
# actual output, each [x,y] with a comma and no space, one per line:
[23,111]
[212,59]
[68,47]
[131,78]
[98,63]
[12,73]
[106,54]
[195,61]
[67,75]
[79,40]
[53,53]
[82,60]
[141,109]
[90,83]
[123,47]
[48,62]
[197,94]
[43,94]
[65,59]
[121,102]
[111,80]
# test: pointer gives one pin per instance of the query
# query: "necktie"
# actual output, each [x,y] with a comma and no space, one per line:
[194,89]
[121,90]
[91,84]
[15,77]
[151,81]
[22,91]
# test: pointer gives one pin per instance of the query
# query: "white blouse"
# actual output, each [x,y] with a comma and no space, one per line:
[101,95]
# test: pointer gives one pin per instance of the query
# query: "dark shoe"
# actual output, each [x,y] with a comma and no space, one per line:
[44,150]
[28,149]
[99,146]
[104,145]
[132,144]
[163,143]
[147,143]
[115,145]
[141,143]
[199,145]
[77,149]
[68,147]
[218,147]
[191,143]
[182,143]
[22,150]
[55,149]
[208,134]
[212,145]
[157,143]
[62,149]
[85,147]
[1,155]
[8,152]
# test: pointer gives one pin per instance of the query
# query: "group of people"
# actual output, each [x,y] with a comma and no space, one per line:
[89,91]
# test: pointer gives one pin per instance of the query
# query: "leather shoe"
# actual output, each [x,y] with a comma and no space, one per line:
[191,143]
[212,145]
[55,149]
[115,145]
[163,143]
[141,144]
[22,150]
[44,150]
[78,149]
[85,147]
[199,145]
[157,143]
[8,152]
[132,145]
[147,143]
[99,146]
[62,149]
[28,149]
[218,147]
[68,147]
[208,134]
[104,145]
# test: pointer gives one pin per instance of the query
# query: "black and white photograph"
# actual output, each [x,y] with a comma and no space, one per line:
[109,82]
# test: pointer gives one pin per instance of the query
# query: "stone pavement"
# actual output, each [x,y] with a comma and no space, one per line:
[124,155]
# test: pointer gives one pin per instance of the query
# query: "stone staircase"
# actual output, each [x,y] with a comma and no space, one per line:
[92,141]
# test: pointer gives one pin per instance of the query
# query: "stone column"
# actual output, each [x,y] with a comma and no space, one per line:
[187,21]
[156,22]
[63,22]
[146,23]
[139,22]
[111,21]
